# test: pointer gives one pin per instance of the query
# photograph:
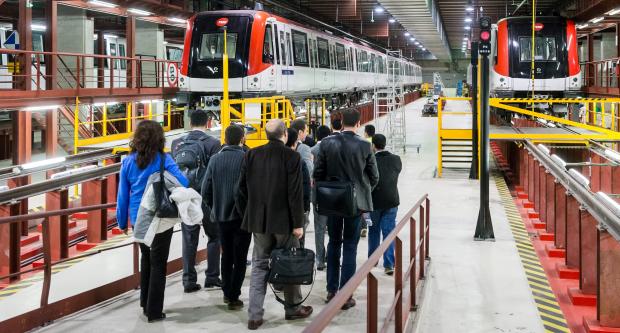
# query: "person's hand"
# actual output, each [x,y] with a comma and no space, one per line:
[298,232]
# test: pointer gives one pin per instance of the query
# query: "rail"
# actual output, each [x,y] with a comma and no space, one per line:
[403,304]
[77,74]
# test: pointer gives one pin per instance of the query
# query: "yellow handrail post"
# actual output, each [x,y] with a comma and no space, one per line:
[439,141]
[224,112]
[150,110]
[169,115]
[129,106]
[604,116]
[76,125]
[323,113]
[105,119]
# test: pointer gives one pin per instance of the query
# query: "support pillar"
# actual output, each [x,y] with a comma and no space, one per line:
[24,29]
[608,306]
[101,61]
[58,225]
[94,192]
[51,62]
[132,66]
[588,282]
[550,202]
[560,215]
[573,215]
[542,194]
[5,244]
[22,153]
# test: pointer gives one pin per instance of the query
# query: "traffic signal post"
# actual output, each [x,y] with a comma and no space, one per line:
[484,227]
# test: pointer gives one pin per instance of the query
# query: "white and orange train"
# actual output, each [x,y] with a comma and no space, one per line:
[556,58]
[270,55]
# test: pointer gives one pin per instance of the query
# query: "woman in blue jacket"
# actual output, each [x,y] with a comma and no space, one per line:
[147,150]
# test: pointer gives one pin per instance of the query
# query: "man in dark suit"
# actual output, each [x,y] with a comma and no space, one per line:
[271,199]
[347,157]
[385,200]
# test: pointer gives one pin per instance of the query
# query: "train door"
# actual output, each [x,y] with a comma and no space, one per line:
[116,47]
[278,60]
[269,56]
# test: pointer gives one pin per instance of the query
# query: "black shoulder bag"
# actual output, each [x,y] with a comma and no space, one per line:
[166,208]
[291,266]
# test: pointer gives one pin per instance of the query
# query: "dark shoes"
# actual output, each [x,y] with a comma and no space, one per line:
[155,319]
[349,304]
[330,295]
[235,305]
[192,288]
[254,324]
[301,313]
[213,284]
[389,271]
[320,267]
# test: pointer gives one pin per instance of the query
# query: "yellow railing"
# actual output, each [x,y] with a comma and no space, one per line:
[107,131]
[452,132]
[316,105]
[256,112]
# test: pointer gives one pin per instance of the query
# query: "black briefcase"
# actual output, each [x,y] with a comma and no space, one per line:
[336,198]
[293,266]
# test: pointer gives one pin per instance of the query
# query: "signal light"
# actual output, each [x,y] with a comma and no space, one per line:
[485,35]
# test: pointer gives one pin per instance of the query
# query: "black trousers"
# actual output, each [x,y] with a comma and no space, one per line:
[153,273]
[191,236]
[235,245]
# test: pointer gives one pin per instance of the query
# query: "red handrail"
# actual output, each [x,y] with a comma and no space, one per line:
[418,247]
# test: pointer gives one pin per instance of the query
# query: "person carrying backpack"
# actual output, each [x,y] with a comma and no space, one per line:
[192,153]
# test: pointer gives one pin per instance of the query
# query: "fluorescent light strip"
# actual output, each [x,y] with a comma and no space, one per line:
[103,3]
[583,26]
[43,163]
[614,12]
[139,11]
[176,20]
[38,27]
[42,108]
[597,19]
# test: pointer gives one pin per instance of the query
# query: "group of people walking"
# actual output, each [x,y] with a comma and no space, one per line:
[264,194]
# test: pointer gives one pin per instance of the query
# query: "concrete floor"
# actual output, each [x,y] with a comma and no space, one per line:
[471,286]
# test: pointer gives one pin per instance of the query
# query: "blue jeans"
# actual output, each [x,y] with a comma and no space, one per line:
[383,222]
[344,235]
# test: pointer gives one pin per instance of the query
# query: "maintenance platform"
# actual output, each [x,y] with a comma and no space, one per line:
[505,114]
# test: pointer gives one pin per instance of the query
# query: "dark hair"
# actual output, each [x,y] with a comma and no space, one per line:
[148,141]
[277,132]
[350,117]
[370,130]
[234,134]
[379,141]
[198,118]
[293,135]
[336,124]
[322,132]
[299,124]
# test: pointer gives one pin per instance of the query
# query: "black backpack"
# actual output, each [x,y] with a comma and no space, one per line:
[191,159]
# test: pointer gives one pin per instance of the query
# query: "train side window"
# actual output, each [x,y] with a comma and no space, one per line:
[283,48]
[113,54]
[122,53]
[289,59]
[268,54]
[277,44]
[323,50]
[373,58]
[365,64]
[300,48]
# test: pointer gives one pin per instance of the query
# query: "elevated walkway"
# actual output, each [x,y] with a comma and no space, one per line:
[470,287]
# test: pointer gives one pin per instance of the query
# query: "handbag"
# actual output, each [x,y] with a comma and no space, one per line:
[166,208]
[291,266]
[336,198]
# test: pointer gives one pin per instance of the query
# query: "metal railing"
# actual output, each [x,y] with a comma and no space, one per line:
[602,76]
[405,285]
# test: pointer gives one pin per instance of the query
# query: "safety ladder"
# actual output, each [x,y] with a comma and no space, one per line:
[389,102]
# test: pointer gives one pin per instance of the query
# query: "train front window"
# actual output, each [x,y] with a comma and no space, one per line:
[545,50]
[212,46]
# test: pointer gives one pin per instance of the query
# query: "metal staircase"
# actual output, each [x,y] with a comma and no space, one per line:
[389,102]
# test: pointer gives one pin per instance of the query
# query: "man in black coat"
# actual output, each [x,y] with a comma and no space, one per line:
[218,191]
[271,199]
[210,146]
[347,157]
[385,201]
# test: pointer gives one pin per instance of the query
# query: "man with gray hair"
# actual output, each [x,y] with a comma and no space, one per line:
[270,199]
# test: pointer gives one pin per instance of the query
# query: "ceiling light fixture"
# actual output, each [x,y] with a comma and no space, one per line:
[614,12]
[597,19]
[467,27]
[583,26]
[407,34]
[42,108]
[469,7]
[139,11]
[102,3]
[392,20]
[38,27]
[379,9]
[467,19]
[176,20]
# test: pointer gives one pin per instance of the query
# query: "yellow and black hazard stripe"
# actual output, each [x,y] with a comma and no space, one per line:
[546,302]
[16,287]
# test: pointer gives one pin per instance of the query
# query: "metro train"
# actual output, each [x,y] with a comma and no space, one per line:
[556,58]
[270,55]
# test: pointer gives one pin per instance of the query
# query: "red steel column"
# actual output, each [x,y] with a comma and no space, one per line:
[608,304]
[542,194]
[530,172]
[560,216]
[536,188]
[5,243]
[550,200]
[22,152]
[25,43]
[51,62]
[589,251]
[525,167]
[94,192]
[573,215]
